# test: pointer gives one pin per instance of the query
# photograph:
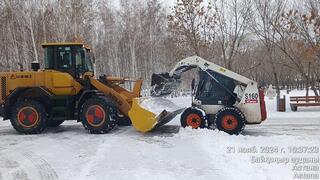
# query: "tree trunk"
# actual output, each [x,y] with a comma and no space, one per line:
[312,85]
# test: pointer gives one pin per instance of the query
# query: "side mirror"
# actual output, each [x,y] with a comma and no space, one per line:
[35,66]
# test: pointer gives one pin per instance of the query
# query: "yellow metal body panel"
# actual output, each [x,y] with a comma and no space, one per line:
[142,119]
[57,83]
[60,83]
[23,79]
[61,80]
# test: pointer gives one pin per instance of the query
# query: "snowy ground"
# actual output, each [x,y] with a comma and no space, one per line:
[276,149]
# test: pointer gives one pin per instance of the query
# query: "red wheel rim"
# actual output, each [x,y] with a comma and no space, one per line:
[229,122]
[28,117]
[194,121]
[95,115]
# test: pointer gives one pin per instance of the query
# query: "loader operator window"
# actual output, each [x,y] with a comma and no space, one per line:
[49,57]
[64,58]
[88,62]
[79,56]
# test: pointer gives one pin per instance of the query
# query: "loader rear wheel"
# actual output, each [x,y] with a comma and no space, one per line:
[193,118]
[54,123]
[28,116]
[98,115]
[230,120]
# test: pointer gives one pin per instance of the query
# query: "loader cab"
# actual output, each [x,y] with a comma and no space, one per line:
[211,92]
[73,58]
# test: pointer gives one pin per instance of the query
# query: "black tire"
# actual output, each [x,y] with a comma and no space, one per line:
[53,123]
[230,120]
[193,117]
[122,120]
[103,119]
[28,116]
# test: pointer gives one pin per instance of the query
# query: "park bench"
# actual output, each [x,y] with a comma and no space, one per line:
[304,101]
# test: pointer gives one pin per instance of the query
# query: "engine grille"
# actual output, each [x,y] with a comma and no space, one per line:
[3,87]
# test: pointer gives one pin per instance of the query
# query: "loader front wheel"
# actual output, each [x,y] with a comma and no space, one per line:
[193,118]
[230,120]
[28,116]
[98,115]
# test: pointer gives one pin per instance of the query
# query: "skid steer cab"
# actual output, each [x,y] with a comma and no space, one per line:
[66,89]
[221,98]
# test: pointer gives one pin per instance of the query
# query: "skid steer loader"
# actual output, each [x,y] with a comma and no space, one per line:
[67,89]
[221,98]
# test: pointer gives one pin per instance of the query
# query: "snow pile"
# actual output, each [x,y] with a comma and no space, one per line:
[158,104]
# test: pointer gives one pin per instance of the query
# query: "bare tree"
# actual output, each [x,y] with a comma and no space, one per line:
[233,17]
[268,13]
[298,34]
[192,24]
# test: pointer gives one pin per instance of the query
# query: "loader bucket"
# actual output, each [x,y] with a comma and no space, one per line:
[145,121]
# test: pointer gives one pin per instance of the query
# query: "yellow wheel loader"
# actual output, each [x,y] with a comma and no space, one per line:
[67,89]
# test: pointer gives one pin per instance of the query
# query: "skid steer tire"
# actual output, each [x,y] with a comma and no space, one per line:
[53,123]
[97,115]
[230,120]
[28,116]
[193,117]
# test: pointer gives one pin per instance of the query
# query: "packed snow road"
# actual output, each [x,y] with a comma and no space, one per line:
[271,150]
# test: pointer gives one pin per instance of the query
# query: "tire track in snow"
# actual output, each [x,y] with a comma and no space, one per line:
[8,163]
[20,174]
[46,172]
[101,150]
[16,161]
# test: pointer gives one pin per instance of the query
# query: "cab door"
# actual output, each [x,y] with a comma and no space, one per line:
[65,59]
[210,92]
[61,73]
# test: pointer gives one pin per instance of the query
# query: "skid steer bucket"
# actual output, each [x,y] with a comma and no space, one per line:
[145,121]
[163,84]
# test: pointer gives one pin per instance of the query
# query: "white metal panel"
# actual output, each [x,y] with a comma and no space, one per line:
[250,106]
[204,65]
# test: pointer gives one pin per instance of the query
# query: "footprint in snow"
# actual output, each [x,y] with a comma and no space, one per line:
[20,175]
[7,163]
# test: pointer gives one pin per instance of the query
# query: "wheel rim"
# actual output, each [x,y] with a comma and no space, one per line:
[229,122]
[95,115]
[28,117]
[193,120]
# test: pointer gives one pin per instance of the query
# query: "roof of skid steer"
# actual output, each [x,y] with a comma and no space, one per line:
[65,44]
